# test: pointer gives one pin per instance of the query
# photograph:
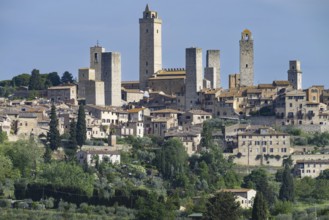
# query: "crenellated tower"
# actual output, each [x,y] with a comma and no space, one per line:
[150,46]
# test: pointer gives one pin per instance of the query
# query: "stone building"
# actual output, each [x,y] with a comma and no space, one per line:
[63,93]
[111,76]
[295,74]
[310,168]
[234,81]
[150,46]
[96,61]
[193,83]
[246,59]
[262,147]
[212,70]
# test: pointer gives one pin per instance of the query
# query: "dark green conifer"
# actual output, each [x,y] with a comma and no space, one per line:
[287,186]
[53,134]
[81,126]
[259,209]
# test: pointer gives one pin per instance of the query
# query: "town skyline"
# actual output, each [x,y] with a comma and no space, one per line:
[66,40]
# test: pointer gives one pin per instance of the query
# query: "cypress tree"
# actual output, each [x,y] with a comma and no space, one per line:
[47,155]
[287,186]
[53,134]
[73,135]
[81,126]
[73,145]
[259,209]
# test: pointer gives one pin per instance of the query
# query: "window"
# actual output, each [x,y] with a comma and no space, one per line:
[246,65]
[147,30]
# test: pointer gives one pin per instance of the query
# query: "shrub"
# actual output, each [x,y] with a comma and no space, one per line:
[5,203]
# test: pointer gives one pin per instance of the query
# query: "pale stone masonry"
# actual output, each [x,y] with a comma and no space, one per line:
[212,70]
[111,75]
[64,93]
[85,74]
[295,74]
[95,94]
[150,46]
[193,82]
[246,59]
[96,60]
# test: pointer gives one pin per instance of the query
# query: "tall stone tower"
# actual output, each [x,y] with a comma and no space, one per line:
[150,46]
[96,60]
[295,74]
[193,81]
[246,59]
[212,70]
[111,75]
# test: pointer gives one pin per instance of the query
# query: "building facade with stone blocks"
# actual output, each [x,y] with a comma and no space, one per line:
[150,46]
[310,168]
[63,93]
[193,117]
[189,135]
[246,59]
[295,74]
[96,92]
[108,115]
[91,156]
[245,197]
[262,147]
[193,81]
[131,95]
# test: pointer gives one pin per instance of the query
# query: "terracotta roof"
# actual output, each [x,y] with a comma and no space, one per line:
[236,190]
[254,91]
[167,77]
[281,83]
[135,110]
[266,86]
[199,112]
[167,111]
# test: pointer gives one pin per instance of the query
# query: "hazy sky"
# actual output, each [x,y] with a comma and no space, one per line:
[56,35]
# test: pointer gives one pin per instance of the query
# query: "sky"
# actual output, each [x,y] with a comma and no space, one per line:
[56,35]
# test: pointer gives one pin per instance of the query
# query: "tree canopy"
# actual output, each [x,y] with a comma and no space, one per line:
[53,134]
[81,126]
[67,77]
[223,206]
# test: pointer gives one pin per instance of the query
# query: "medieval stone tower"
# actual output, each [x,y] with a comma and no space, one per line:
[96,60]
[111,75]
[212,70]
[150,46]
[193,81]
[246,59]
[295,74]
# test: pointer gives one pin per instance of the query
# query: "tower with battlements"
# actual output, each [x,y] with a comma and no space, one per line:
[246,59]
[295,74]
[150,46]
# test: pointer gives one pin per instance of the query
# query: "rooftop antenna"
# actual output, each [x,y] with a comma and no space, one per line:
[97,44]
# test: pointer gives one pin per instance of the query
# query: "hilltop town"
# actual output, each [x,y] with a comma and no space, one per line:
[262,125]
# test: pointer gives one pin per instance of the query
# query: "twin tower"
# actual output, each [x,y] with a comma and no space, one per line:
[150,55]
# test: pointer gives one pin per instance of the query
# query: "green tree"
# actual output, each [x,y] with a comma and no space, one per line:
[259,209]
[73,136]
[172,159]
[287,192]
[258,179]
[47,154]
[7,170]
[35,82]
[67,77]
[66,175]
[53,134]
[81,126]
[21,80]
[53,79]
[223,206]
[324,175]
[152,208]
[25,156]
[3,136]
